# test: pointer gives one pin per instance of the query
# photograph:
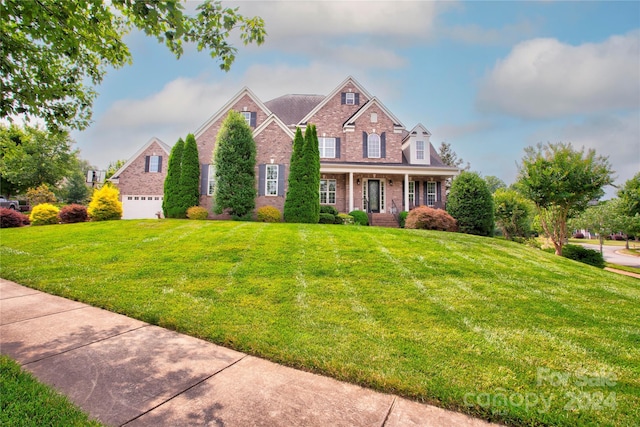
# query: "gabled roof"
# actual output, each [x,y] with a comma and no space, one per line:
[292,108]
[273,119]
[374,102]
[153,140]
[418,130]
[337,90]
[222,111]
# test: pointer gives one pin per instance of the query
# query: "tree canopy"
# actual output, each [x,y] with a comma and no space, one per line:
[55,52]
[561,181]
[31,156]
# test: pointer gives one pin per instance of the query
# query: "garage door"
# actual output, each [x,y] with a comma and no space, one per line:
[138,206]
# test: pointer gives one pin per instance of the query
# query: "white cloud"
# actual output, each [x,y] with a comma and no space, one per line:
[544,78]
[476,35]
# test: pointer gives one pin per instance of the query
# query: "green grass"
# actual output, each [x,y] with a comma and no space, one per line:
[632,243]
[483,326]
[623,267]
[26,402]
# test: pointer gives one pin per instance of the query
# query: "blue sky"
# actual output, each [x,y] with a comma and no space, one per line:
[490,78]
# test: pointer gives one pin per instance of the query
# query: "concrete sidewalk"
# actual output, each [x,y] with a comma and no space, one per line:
[126,372]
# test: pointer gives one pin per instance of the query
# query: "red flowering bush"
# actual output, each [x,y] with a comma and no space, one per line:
[73,213]
[426,218]
[11,218]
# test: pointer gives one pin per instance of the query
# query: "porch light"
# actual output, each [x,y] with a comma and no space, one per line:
[391,183]
[358,181]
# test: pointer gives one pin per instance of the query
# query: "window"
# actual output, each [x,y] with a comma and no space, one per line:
[350,98]
[327,147]
[153,164]
[373,146]
[328,191]
[272,181]
[420,150]
[247,117]
[431,193]
[412,193]
[374,117]
[211,181]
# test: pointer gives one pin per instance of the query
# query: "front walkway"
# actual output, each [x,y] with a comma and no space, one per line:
[126,372]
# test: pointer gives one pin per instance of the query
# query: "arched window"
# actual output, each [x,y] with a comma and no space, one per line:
[373,146]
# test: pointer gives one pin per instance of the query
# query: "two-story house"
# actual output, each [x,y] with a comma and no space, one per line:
[368,159]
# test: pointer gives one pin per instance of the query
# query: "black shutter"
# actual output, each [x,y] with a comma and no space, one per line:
[146,163]
[416,193]
[281,180]
[343,98]
[253,119]
[383,145]
[159,163]
[204,179]
[439,192]
[262,176]
[365,151]
[357,96]
[337,148]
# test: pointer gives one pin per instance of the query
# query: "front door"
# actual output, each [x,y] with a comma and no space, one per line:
[373,190]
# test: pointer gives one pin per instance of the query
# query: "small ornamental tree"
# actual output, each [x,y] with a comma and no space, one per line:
[40,194]
[513,213]
[189,187]
[170,203]
[470,202]
[561,181]
[104,205]
[235,161]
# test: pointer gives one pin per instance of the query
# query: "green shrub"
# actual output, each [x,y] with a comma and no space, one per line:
[73,213]
[10,218]
[327,218]
[582,254]
[426,218]
[342,218]
[40,195]
[197,212]
[44,214]
[402,218]
[268,214]
[329,209]
[360,217]
[470,202]
[104,205]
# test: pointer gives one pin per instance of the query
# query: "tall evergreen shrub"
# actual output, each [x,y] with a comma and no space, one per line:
[470,202]
[189,187]
[303,199]
[172,181]
[235,161]
[293,201]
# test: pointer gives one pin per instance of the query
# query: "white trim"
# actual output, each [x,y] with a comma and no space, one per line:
[267,179]
[225,109]
[271,119]
[419,127]
[389,169]
[151,141]
[375,102]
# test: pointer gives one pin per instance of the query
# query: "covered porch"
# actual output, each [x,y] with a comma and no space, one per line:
[383,188]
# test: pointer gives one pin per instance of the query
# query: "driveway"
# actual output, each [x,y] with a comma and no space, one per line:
[612,255]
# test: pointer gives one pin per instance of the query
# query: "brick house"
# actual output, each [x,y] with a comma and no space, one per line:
[368,159]
[141,180]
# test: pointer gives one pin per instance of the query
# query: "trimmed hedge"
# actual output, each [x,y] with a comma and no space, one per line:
[360,217]
[73,213]
[44,214]
[342,218]
[268,214]
[584,255]
[327,218]
[426,218]
[329,209]
[10,218]
[197,213]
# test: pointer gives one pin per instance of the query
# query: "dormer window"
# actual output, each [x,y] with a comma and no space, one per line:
[420,150]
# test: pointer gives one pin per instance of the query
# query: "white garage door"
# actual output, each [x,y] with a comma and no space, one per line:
[138,206]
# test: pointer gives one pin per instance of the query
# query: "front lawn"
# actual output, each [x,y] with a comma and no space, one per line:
[483,326]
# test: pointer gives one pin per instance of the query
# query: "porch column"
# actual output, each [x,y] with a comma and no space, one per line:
[350,192]
[406,192]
